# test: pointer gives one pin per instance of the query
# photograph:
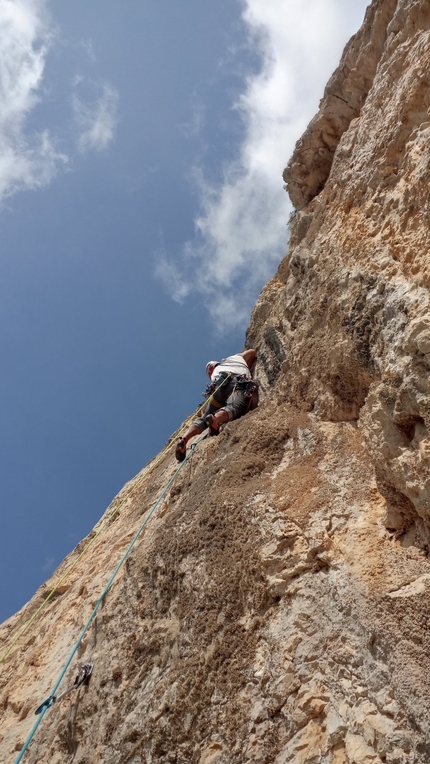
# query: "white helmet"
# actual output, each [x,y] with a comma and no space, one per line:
[210,367]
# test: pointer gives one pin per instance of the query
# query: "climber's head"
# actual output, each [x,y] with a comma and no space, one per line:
[210,367]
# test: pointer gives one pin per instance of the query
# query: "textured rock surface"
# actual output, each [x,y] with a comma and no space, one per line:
[277,607]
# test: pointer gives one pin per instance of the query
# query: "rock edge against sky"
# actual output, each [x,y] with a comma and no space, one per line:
[276,608]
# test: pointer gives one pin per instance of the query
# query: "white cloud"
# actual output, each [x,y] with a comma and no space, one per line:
[87,46]
[25,36]
[48,565]
[241,232]
[194,126]
[170,275]
[96,122]
[30,159]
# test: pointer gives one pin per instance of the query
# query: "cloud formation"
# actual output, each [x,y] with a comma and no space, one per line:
[170,275]
[48,565]
[96,122]
[241,233]
[194,125]
[25,37]
[30,160]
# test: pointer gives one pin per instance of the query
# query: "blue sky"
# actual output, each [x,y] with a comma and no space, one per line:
[142,146]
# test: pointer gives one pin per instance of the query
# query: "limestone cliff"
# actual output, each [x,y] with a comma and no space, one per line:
[276,609]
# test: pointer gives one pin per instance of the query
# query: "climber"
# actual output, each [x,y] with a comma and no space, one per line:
[230,394]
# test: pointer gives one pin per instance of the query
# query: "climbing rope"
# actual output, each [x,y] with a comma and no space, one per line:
[146,472]
[66,574]
[44,707]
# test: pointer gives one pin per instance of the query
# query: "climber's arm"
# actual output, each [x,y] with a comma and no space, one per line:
[249,356]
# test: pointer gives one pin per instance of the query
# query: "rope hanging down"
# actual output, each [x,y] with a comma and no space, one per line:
[44,707]
[146,472]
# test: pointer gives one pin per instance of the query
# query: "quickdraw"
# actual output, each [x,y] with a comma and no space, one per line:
[84,673]
[247,386]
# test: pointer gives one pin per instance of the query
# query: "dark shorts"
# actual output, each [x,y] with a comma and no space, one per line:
[232,397]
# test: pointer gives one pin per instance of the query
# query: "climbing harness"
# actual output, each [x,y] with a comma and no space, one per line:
[247,386]
[83,675]
[41,711]
[211,387]
[241,382]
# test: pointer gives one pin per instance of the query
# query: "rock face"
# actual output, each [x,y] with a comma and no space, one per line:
[276,609]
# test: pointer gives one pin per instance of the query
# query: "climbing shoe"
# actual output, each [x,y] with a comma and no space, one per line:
[181,450]
[212,423]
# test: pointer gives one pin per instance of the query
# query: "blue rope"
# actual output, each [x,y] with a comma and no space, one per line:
[47,704]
